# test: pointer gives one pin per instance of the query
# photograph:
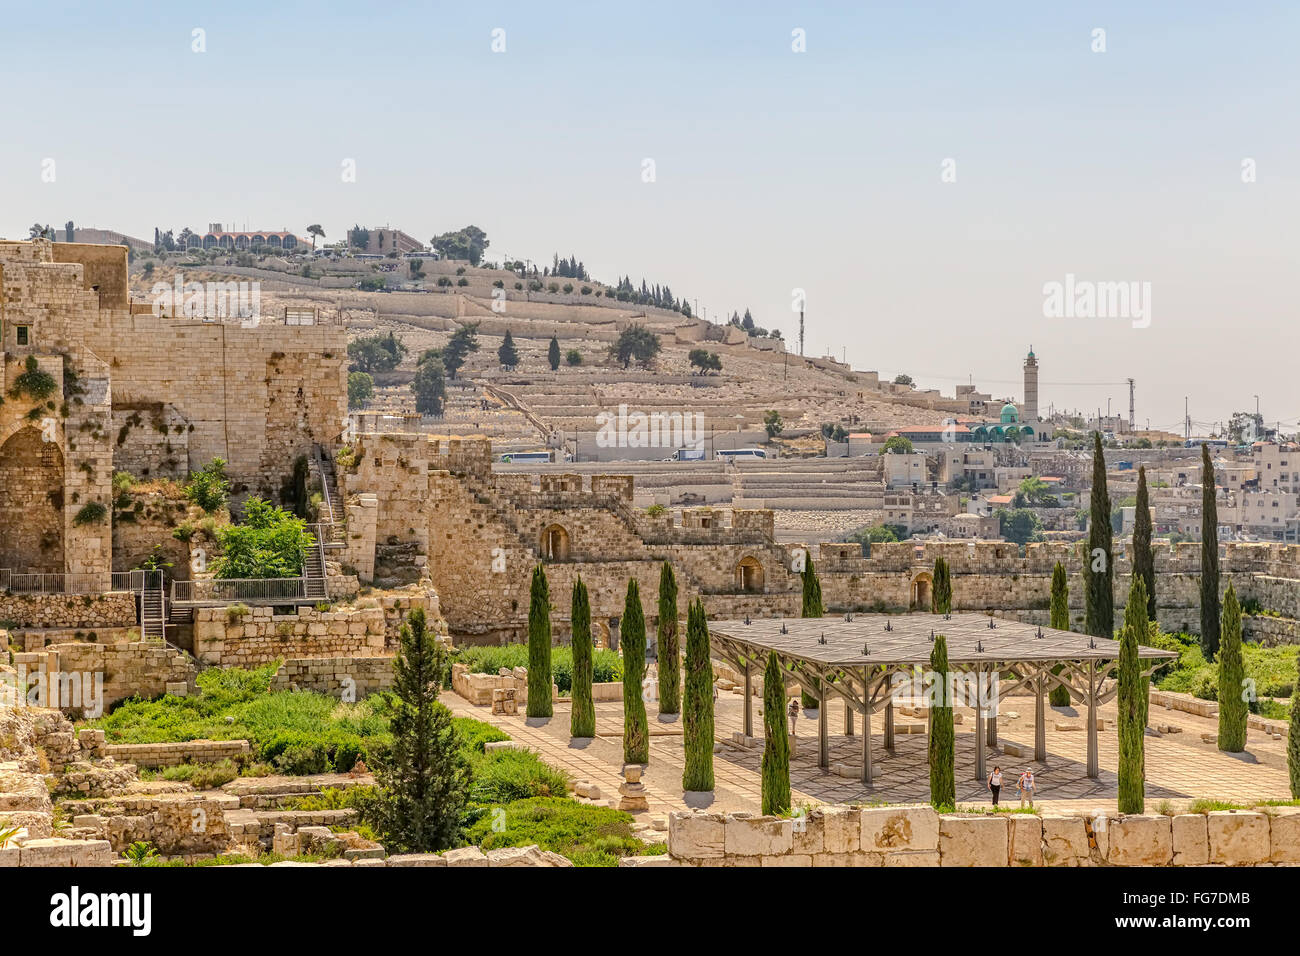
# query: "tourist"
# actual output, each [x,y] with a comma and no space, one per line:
[995,784]
[1026,786]
[794,714]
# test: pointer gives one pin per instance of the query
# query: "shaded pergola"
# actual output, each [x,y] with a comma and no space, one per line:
[864,658]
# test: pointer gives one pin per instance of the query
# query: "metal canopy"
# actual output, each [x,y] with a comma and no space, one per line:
[858,656]
[861,640]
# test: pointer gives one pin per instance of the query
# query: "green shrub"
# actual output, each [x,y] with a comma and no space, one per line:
[587,835]
[208,487]
[506,775]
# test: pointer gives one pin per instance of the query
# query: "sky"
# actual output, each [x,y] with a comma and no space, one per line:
[922,171]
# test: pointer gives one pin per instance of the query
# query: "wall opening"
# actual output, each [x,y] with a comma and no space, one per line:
[31,504]
[555,543]
[749,576]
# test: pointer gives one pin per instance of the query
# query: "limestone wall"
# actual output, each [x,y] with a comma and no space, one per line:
[115,609]
[344,677]
[172,754]
[125,670]
[916,835]
[250,637]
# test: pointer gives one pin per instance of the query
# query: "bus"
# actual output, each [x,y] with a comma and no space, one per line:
[688,454]
[740,454]
[525,457]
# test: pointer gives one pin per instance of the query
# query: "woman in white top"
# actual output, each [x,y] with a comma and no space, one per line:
[995,784]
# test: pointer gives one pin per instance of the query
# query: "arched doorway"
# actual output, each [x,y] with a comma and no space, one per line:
[555,543]
[749,575]
[922,590]
[31,503]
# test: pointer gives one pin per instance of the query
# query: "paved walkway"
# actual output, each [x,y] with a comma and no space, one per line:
[1180,767]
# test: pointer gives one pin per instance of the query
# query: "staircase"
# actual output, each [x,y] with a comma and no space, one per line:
[153,608]
[332,512]
[313,568]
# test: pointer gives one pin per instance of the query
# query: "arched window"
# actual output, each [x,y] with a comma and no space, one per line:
[750,576]
[555,543]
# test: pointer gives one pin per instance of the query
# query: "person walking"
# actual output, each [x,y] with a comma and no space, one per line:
[995,784]
[1026,786]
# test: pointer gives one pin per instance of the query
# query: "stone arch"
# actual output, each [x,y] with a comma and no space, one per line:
[31,503]
[555,543]
[750,576]
[922,591]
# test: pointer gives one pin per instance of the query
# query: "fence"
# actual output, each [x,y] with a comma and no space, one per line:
[240,590]
[59,583]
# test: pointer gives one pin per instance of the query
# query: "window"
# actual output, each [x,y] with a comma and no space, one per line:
[24,334]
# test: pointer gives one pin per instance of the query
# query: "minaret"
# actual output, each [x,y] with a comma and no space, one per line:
[1031,387]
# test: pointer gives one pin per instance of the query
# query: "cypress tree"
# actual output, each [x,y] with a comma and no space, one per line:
[1144,560]
[698,719]
[1058,696]
[582,719]
[1135,616]
[812,590]
[424,782]
[636,735]
[1293,736]
[776,746]
[670,677]
[553,354]
[942,603]
[507,354]
[1233,709]
[1131,730]
[1098,563]
[943,785]
[539,646]
[812,607]
[1210,609]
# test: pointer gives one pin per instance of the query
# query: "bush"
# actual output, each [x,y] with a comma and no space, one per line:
[506,775]
[587,835]
[203,776]
[208,487]
[607,666]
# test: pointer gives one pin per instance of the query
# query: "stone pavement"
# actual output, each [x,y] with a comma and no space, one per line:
[1180,767]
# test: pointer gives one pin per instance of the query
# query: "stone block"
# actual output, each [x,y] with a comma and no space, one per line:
[809,835]
[966,840]
[909,858]
[1284,835]
[1238,838]
[788,860]
[1140,839]
[746,835]
[1191,840]
[1065,840]
[849,859]
[417,859]
[841,829]
[903,827]
[1026,836]
[465,856]
[648,861]
[696,836]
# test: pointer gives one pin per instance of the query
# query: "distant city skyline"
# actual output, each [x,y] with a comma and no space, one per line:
[923,175]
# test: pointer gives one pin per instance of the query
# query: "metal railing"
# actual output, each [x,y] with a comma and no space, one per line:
[16,582]
[240,590]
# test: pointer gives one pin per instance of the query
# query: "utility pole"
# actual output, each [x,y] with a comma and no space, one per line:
[1187,421]
[1131,421]
[801,333]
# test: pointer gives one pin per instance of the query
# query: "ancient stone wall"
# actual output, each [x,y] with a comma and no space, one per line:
[118,671]
[347,678]
[251,637]
[78,611]
[916,835]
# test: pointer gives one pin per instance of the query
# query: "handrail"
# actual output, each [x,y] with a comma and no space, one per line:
[60,582]
[245,590]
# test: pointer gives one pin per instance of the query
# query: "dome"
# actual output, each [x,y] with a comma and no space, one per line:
[1010,415]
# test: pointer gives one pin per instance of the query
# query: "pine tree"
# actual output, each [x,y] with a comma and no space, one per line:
[1293,736]
[1233,709]
[539,646]
[1059,696]
[507,354]
[812,607]
[1210,609]
[942,603]
[424,782]
[943,785]
[698,719]
[1131,731]
[1144,560]
[670,677]
[582,719]
[776,745]
[636,734]
[1098,563]
[553,353]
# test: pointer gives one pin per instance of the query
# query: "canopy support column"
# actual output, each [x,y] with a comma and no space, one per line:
[992,724]
[1094,771]
[749,702]
[866,733]
[823,731]
[889,725]
[1040,721]
[848,720]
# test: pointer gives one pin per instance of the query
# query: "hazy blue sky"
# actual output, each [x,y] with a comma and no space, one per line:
[774,169]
